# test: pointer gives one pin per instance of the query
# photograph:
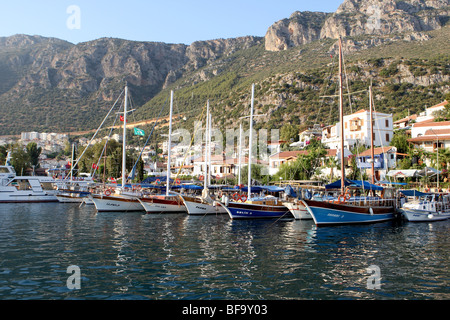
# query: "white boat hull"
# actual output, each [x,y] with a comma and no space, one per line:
[68,199]
[424,216]
[26,196]
[298,210]
[195,206]
[159,204]
[28,189]
[115,203]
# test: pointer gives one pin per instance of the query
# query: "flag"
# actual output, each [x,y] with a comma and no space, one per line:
[121,118]
[94,166]
[139,132]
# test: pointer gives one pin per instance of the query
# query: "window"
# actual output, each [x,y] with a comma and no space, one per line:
[355,124]
[387,123]
[387,137]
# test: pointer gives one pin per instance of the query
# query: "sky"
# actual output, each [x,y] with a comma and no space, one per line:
[169,21]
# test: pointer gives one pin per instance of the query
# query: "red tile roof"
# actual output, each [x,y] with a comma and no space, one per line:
[378,150]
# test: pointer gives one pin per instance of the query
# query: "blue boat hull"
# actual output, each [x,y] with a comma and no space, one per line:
[253,211]
[325,213]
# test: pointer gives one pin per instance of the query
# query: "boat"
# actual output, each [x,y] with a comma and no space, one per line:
[72,196]
[298,209]
[169,202]
[22,189]
[118,198]
[259,207]
[295,205]
[345,210]
[426,207]
[202,204]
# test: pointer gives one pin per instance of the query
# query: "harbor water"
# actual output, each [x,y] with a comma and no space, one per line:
[176,256]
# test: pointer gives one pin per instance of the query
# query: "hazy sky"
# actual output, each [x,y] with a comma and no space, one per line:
[170,21]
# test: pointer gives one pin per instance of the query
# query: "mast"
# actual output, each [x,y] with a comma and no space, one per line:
[371,134]
[169,144]
[71,163]
[240,150]
[209,153]
[341,115]
[205,179]
[124,147]
[250,144]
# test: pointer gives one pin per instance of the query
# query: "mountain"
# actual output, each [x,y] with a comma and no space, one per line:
[72,86]
[355,18]
[48,84]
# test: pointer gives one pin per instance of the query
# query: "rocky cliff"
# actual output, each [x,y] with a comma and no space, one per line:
[45,74]
[356,18]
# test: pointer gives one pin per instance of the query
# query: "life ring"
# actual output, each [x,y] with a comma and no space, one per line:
[158,181]
[347,196]
[178,181]
[243,198]
[236,196]
[107,192]
[201,178]
[341,196]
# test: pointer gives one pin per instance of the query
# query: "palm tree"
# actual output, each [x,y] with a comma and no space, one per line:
[444,159]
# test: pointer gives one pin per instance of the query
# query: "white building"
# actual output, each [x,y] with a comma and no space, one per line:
[357,130]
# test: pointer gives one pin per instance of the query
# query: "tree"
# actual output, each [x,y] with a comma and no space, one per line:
[257,174]
[400,141]
[288,132]
[33,153]
[304,167]
[20,159]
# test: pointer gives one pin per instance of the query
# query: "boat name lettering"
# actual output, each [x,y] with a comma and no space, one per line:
[112,204]
[197,207]
[334,215]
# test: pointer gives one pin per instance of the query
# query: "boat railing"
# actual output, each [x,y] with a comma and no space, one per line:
[375,202]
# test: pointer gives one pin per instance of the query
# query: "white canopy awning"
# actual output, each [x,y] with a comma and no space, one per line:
[403,173]
[429,172]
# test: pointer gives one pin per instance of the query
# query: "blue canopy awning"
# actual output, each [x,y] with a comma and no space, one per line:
[265,188]
[413,193]
[187,186]
[153,179]
[354,183]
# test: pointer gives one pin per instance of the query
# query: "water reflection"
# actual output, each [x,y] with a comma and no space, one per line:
[176,256]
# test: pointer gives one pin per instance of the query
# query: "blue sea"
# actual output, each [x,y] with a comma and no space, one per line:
[135,256]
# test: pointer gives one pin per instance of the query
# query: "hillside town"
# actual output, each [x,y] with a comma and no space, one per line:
[423,130]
